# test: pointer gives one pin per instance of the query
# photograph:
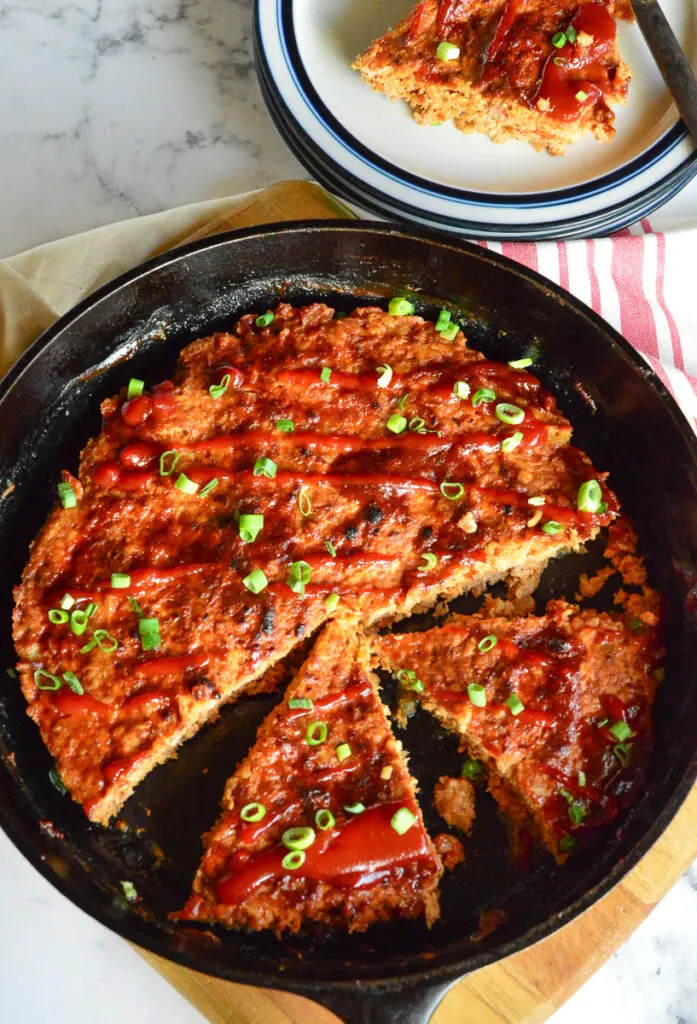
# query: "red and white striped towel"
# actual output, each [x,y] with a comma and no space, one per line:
[640,281]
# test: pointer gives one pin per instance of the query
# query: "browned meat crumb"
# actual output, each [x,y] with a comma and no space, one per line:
[450,850]
[455,801]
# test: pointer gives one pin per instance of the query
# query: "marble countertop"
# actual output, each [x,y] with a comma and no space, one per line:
[110,110]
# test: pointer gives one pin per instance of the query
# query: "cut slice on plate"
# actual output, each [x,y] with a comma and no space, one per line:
[512,69]
[320,821]
[557,707]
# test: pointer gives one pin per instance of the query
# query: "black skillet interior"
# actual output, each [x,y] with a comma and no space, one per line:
[49,407]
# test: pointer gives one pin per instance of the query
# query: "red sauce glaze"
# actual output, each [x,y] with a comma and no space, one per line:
[153,701]
[233,372]
[351,856]
[331,702]
[163,405]
[357,560]
[346,381]
[114,770]
[171,666]
[68,703]
[136,411]
[416,22]
[201,476]
[108,474]
[508,17]
[138,456]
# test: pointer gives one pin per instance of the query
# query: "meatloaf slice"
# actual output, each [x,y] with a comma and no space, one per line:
[558,707]
[320,821]
[513,69]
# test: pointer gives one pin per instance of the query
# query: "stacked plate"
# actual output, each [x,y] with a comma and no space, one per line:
[371,151]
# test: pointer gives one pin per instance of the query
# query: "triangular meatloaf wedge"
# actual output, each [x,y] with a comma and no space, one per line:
[514,69]
[558,707]
[320,821]
[303,467]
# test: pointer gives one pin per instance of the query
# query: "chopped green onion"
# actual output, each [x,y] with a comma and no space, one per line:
[385,377]
[477,695]
[285,426]
[218,390]
[298,575]
[659,675]
[129,891]
[571,34]
[78,621]
[461,389]
[559,40]
[567,844]
[74,683]
[11,673]
[168,462]
[576,814]
[67,601]
[356,808]
[67,495]
[559,61]
[316,733]
[103,640]
[472,769]
[487,643]
[449,333]
[183,483]
[42,674]
[304,503]
[256,581]
[623,753]
[136,607]
[567,795]
[482,395]
[210,486]
[409,678]
[149,632]
[58,616]
[265,467]
[400,307]
[301,703]
[324,820]
[582,779]
[447,51]
[135,388]
[429,560]
[581,96]
[509,443]
[444,318]
[403,820]
[120,580]
[343,751]
[452,490]
[403,400]
[331,602]
[57,781]
[396,423]
[590,497]
[330,548]
[508,413]
[265,319]
[325,375]
[253,812]
[293,860]
[537,499]
[299,838]
[90,609]
[603,722]
[621,731]
[521,364]
[418,425]
[515,704]
[250,527]
[552,527]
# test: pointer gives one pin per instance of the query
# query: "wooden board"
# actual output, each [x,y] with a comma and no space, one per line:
[526,988]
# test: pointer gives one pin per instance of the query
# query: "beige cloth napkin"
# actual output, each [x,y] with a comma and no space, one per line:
[38,286]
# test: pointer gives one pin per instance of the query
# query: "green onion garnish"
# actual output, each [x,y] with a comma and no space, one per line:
[265,467]
[103,640]
[324,820]
[90,609]
[218,390]
[168,462]
[452,490]
[67,495]
[537,499]
[567,844]
[316,733]
[621,731]
[256,581]
[250,527]
[135,388]
[590,497]
[487,643]
[409,678]
[508,413]
[331,602]
[472,769]
[559,61]
[521,364]
[559,40]
[301,703]
[444,318]
[57,781]
[58,616]
[304,503]
[552,527]
[582,779]
[265,319]
[403,400]
[449,333]
[299,838]
[136,607]
[623,753]
[253,812]
[396,423]
[447,51]
[293,860]
[400,307]
[343,751]
[461,389]
[581,96]
[509,443]
[659,675]
[42,674]
[403,820]
[418,425]
[325,375]
[183,483]
[149,632]
[120,580]
[129,891]
[210,486]
[482,395]
[576,814]
[571,34]
[67,601]
[429,560]
[385,375]
[11,673]
[299,574]
[78,621]
[515,704]
[330,548]
[285,426]
[477,695]
[74,683]
[356,808]
[567,795]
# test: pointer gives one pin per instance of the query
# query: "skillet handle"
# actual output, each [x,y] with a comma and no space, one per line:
[371,1004]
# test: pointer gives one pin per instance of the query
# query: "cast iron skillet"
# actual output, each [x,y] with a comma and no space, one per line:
[49,406]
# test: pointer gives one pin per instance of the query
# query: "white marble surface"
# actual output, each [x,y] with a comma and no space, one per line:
[113,108]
